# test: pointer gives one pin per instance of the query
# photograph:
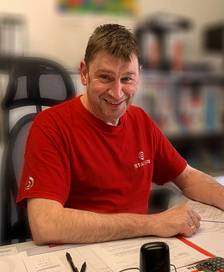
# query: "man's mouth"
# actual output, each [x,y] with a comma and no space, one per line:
[114,103]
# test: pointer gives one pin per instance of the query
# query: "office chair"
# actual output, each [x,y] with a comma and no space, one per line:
[34,83]
[160,199]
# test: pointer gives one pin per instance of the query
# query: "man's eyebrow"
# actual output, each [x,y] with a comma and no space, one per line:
[104,71]
[128,73]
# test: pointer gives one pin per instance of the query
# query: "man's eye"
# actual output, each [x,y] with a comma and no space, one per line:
[104,77]
[127,79]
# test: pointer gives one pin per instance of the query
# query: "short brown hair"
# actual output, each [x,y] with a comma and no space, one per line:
[114,39]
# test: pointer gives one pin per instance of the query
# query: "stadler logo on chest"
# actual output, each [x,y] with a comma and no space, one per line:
[142,162]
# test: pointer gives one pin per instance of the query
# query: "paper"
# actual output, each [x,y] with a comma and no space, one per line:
[207,212]
[124,254]
[7,250]
[44,263]
[35,250]
[12,263]
[84,253]
[210,237]
[57,262]
[95,263]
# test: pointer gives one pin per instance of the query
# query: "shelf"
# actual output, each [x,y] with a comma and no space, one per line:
[203,135]
[188,108]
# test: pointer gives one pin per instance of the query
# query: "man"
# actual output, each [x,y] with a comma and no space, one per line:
[90,161]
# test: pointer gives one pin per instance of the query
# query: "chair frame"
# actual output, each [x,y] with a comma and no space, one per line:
[21,230]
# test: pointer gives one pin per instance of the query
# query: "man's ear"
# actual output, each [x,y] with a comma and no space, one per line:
[83,73]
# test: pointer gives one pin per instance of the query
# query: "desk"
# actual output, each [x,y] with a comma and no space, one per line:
[117,255]
[102,257]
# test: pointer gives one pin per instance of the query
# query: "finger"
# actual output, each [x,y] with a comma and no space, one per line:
[191,230]
[194,229]
[194,222]
[195,214]
[195,217]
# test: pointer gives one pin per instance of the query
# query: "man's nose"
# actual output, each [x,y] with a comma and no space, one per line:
[116,90]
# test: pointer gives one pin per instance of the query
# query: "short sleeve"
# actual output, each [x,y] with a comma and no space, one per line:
[168,163]
[46,170]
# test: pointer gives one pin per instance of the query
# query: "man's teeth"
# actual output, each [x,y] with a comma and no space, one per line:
[114,103]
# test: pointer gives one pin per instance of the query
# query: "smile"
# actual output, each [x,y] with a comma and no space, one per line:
[114,103]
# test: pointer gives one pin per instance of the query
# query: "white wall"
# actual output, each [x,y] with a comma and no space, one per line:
[64,37]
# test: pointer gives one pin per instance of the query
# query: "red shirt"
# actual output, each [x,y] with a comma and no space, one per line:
[76,159]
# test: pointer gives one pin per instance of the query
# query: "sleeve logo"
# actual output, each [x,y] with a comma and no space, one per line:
[29,183]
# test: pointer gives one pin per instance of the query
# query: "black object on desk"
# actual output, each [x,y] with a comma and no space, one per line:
[83,268]
[211,264]
[73,267]
[155,257]
[70,261]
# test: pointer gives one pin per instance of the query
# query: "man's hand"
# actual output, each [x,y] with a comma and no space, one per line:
[179,220]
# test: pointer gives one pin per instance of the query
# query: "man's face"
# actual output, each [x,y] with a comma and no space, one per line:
[110,85]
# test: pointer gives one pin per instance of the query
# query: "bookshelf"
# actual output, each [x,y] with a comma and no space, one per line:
[189,109]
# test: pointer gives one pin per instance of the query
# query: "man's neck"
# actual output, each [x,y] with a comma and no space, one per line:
[84,101]
[114,124]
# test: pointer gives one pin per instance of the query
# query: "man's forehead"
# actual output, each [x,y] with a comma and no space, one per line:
[107,63]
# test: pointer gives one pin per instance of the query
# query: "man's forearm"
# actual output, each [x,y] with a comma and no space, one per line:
[86,227]
[64,225]
[201,187]
[209,190]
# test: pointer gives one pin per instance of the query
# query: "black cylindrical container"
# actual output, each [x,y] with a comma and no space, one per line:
[155,257]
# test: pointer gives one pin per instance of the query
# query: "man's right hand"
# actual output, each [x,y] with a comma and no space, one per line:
[178,220]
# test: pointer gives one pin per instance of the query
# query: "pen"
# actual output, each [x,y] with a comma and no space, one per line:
[70,261]
[83,268]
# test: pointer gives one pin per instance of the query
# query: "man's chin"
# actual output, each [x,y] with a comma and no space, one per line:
[114,119]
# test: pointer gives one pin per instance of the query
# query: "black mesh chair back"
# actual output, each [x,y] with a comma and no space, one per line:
[15,227]
[34,83]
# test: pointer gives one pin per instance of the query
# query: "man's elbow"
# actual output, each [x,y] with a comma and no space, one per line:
[44,231]
[40,232]
[44,221]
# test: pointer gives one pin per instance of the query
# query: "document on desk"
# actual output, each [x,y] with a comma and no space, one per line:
[7,250]
[109,256]
[207,212]
[210,237]
[12,263]
[124,254]
[95,263]
[49,262]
